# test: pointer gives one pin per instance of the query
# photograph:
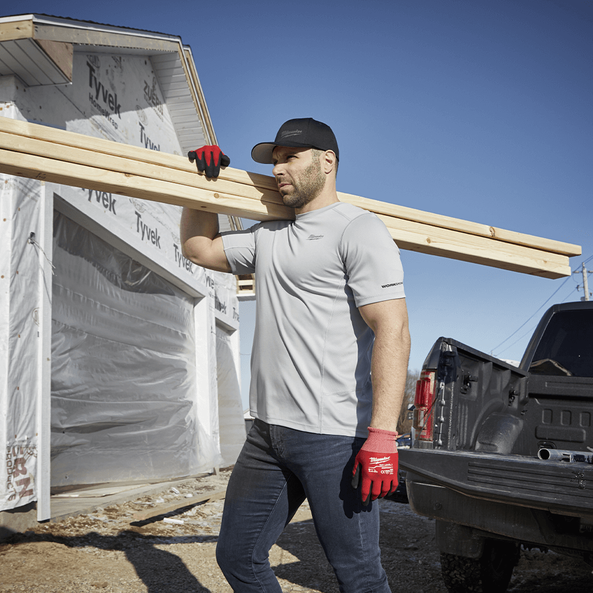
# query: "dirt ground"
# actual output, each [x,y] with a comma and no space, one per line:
[144,546]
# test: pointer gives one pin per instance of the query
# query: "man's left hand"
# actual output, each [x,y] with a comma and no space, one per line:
[376,465]
[209,160]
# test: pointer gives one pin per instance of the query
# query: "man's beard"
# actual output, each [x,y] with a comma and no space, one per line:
[306,188]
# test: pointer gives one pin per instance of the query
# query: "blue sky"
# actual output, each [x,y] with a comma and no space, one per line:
[476,109]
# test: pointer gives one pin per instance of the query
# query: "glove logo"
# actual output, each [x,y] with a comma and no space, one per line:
[381,465]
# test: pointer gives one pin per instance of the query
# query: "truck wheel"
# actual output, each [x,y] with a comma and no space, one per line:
[489,574]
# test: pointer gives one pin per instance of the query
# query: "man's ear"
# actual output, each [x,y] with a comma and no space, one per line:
[329,161]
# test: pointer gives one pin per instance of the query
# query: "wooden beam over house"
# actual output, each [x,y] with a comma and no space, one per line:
[57,156]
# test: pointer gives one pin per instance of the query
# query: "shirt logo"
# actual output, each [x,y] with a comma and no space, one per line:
[314,237]
[392,284]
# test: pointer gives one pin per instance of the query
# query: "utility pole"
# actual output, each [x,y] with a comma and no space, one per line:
[584,272]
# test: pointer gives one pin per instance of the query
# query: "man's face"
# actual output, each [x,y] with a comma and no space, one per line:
[298,175]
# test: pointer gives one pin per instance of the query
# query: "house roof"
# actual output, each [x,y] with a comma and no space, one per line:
[39,50]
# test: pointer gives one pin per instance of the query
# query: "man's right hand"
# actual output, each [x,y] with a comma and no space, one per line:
[376,465]
[209,160]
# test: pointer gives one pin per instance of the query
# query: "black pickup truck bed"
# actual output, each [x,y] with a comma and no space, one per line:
[503,455]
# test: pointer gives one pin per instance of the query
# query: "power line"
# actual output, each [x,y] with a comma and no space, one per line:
[529,331]
[535,312]
[533,315]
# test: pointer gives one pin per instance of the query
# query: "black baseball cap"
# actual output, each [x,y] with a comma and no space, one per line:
[300,133]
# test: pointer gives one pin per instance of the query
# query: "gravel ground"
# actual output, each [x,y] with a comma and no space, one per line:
[145,546]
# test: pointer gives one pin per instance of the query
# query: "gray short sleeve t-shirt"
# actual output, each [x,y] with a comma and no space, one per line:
[310,365]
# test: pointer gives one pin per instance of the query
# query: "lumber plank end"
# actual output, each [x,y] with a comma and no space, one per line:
[495,259]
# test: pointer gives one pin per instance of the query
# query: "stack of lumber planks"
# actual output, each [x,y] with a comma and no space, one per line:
[57,156]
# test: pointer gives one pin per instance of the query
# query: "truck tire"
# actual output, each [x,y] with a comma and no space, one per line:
[489,574]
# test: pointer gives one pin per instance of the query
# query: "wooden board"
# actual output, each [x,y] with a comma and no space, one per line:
[185,504]
[48,154]
[21,29]
[61,54]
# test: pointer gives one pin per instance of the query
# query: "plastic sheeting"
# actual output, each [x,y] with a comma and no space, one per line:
[123,367]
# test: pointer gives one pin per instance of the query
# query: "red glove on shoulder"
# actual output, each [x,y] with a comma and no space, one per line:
[209,159]
[377,465]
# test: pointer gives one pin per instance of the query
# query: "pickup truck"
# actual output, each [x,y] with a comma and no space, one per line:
[502,456]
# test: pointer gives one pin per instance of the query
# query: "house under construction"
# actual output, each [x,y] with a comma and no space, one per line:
[119,358]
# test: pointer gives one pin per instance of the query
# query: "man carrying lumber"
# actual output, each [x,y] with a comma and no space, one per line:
[330,308]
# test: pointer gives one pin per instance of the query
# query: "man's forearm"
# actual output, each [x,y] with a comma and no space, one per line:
[389,371]
[389,365]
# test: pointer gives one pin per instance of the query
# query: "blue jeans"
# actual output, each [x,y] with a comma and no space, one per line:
[277,469]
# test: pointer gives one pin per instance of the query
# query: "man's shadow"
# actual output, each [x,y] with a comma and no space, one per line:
[311,569]
[164,572]
[159,570]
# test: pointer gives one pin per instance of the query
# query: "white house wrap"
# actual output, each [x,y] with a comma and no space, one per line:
[119,358]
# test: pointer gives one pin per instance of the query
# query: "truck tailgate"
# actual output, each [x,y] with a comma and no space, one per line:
[556,486]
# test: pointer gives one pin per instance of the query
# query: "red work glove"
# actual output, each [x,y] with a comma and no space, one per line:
[209,159]
[377,464]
